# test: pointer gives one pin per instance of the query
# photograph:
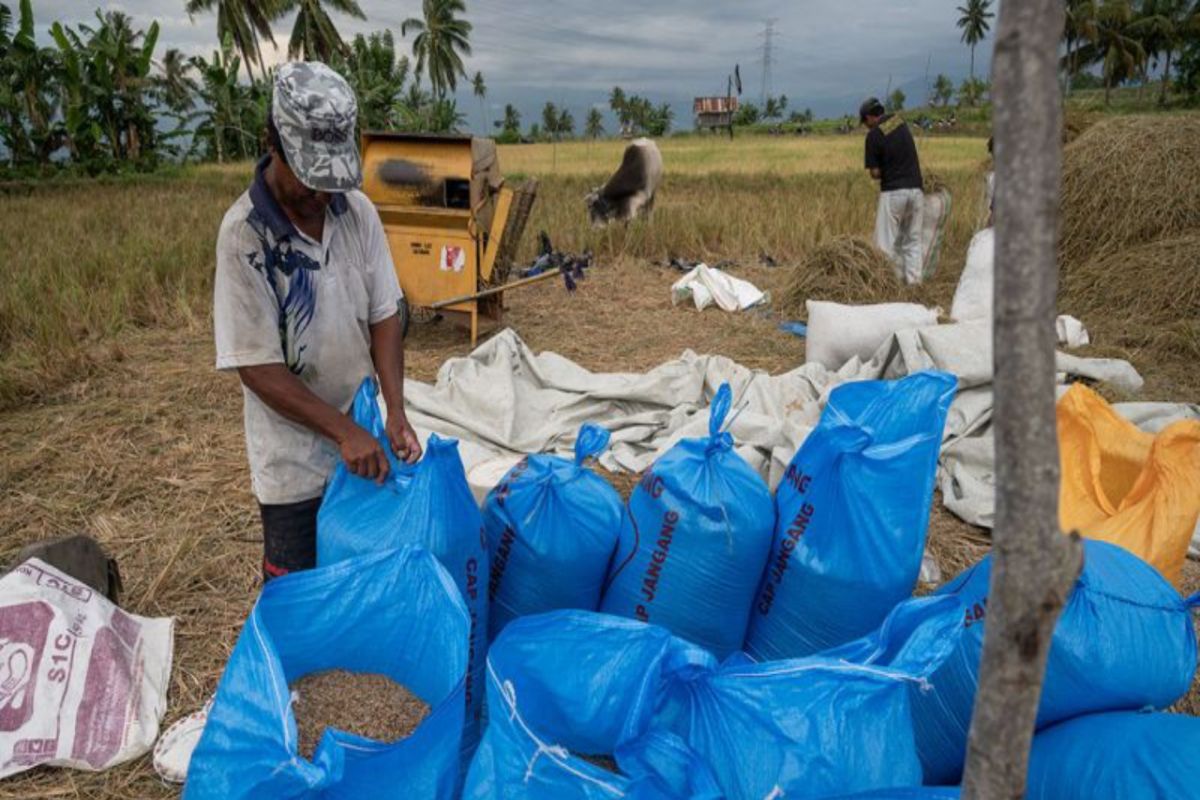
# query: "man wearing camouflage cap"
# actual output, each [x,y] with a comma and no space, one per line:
[304,308]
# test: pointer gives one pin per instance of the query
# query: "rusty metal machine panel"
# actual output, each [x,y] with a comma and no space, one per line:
[414,170]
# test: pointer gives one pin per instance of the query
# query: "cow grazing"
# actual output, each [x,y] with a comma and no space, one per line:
[630,191]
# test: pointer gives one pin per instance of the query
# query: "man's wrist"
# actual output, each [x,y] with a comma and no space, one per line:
[343,429]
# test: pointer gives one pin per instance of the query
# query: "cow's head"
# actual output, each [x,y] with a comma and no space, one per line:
[600,210]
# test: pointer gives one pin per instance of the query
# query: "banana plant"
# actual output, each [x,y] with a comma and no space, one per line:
[27,94]
[234,113]
[81,130]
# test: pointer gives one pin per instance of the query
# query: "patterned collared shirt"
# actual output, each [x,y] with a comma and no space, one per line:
[281,297]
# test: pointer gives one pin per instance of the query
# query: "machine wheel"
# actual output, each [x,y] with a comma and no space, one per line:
[402,311]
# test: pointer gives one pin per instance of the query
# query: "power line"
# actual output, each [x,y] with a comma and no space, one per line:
[768,37]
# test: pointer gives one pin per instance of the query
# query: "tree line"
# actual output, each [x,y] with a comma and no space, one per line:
[1125,39]
[99,98]
[1106,43]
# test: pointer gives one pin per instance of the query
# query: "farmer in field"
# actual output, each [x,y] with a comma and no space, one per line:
[892,160]
[304,308]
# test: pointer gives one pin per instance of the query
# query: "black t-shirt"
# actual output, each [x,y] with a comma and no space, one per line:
[892,151]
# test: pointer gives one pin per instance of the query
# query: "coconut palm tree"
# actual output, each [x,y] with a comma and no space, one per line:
[619,103]
[1171,24]
[566,123]
[594,126]
[975,21]
[1080,27]
[176,86]
[943,91]
[1117,45]
[479,88]
[244,21]
[442,40]
[512,121]
[314,37]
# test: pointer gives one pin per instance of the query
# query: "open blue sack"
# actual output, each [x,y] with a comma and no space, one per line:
[701,523]
[395,613]
[851,516]
[828,724]
[1124,641]
[567,683]
[428,504]
[1123,755]
[551,526]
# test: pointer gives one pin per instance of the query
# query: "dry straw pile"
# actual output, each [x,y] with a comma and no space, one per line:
[845,269]
[1128,181]
[1158,281]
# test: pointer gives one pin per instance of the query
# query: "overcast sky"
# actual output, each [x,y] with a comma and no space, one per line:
[827,54]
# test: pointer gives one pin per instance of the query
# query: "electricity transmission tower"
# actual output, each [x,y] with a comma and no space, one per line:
[768,36]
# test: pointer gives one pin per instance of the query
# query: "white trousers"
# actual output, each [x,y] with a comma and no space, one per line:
[898,231]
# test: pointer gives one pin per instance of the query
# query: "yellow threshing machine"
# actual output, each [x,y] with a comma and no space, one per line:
[452,224]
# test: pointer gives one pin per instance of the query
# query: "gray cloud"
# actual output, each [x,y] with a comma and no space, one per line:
[827,53]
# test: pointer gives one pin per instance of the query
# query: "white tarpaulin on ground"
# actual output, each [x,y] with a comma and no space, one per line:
[504,399]
[706,286]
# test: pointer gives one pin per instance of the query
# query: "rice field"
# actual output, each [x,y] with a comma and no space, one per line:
[779,156]
[139,253]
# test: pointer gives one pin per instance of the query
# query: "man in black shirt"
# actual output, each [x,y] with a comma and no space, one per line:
[892,160]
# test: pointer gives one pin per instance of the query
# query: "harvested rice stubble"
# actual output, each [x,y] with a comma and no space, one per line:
[365,704]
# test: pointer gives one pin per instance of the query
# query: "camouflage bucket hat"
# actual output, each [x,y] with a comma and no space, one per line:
[315,110]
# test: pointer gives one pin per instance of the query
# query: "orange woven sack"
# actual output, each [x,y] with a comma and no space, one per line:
[1125,486]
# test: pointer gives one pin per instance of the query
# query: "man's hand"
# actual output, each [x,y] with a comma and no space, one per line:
[363,455]
[404,440]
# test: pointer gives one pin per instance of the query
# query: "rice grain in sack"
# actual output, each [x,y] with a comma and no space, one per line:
[569,684]
[428,504]
[394,613]
[851,516]
[1124,641]
[551,526]
[834,723]
[701,522]
[1123,755]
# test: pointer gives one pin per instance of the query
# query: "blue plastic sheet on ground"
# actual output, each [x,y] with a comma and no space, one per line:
[428,504]
[570,683]
[851,516]
[833,723]
[701,525]
[396,613]
[551,525]
[794,328]
[1124,641]
[1117,756]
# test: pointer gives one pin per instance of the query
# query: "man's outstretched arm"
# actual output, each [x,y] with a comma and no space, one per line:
[287,395]
[387,353]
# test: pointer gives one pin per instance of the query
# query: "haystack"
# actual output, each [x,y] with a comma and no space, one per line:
[844,269]
[1128,181]
[1158,282]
